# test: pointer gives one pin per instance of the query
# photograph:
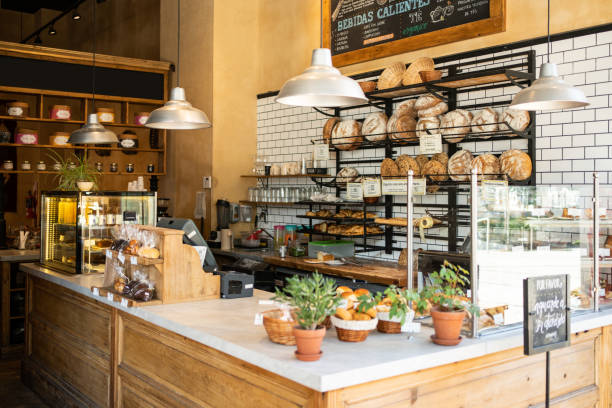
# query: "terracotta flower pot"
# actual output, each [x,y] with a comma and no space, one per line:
[447,326]
[308,343]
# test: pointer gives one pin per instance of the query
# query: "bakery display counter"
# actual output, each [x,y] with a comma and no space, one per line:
[84,350]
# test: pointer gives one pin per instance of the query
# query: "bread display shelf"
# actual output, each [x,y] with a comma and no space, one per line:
[367,235]
[135,259]
[261,176]
[339,219]
[109,294]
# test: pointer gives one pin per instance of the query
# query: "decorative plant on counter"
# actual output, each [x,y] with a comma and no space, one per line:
[314,298]
[449,303]
[77,175]
[396,303]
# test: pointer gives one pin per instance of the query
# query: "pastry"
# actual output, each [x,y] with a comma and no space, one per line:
[391,77]
[485,121]
[375,126]
[347,175]
[441,157]
[401,127]
[361,291]
[411,76]
[119,285]
[362,316]
[406,108]
[132,247]
[460,165]
[324,256]
[104,243]
[372,312]
[341,289]
[516,164]
[343,314]
[422,160]
[350,299]
[517,119]
[405,163]
[323,213]
[310,214]
[148,252]
[435,170]
[431,123]
[328,128]
[487,165]
[455,125]
[388,168]
[322,227]
[347,135]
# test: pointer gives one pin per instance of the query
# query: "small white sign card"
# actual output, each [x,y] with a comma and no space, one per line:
[400,186]
[430,144]
[371,187]
[321,151]
[354,192]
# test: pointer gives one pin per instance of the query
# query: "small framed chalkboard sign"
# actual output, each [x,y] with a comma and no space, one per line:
[363,30]
[546,324]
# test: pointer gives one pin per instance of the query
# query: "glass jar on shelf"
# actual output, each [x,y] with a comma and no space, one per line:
[279,236]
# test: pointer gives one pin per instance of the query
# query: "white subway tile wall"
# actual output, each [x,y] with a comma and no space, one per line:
[570,144]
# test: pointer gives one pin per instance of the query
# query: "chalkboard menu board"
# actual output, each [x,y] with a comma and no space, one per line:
[358,30]
[546,324]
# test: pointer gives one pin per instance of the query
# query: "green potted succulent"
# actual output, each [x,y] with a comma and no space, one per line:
[314,298]
[448,303]
[77,175]
[394,308]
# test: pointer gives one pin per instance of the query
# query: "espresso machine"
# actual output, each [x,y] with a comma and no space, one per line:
[162,207]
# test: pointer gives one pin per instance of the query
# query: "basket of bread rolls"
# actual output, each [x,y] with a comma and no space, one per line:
[393,308]
[355,317]
[279,326]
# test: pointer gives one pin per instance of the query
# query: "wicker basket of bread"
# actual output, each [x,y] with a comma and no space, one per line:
[356,317]
[279,325]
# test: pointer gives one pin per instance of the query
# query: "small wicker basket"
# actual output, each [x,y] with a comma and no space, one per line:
[353,330]
[279,326]
[389,327]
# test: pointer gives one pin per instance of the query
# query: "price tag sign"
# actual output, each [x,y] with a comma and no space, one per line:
[266,302]
[258,321]
[371,187]
[109,254]
[134,260]
[95,291]
[494,191]
[354,192]
[109,296]
[419,186]
[498,319]
[546,314]
[121,257]
[321,152]
[430,144]
[394,186]
[124,302]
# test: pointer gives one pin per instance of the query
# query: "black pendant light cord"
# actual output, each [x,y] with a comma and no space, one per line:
[93,53]
[178,44]
[548,30]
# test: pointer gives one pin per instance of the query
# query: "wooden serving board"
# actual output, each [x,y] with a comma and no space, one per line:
[385,273]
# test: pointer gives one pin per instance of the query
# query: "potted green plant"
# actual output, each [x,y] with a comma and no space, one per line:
[394,308]
[75,175]
[314,298]
[448,303]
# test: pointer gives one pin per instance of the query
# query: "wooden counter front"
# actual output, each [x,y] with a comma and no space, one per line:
[385,273]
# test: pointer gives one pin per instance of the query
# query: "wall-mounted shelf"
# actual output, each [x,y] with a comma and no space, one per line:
[286,176]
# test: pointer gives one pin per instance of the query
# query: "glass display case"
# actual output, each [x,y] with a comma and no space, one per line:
[528,231]
[76,226]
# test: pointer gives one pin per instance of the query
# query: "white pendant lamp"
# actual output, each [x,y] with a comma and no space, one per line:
[321,84]
[177,113]
[549,92]
[93,132]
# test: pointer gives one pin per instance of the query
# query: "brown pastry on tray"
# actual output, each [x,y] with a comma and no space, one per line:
[441,157]
[310,214]
[422,160]
[405,163]
[388,168]
[435,170]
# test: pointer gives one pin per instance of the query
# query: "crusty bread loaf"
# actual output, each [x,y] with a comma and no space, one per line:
[460,165]
[426,102]
[435,170]
[455,125]
[391,77]
[388,168]
[517,119]
[406,108]
[485,121]
[487,165]
[347,135]
[422,160]
[405,163]
[401,128]
[432,124]
[516,164]
[441,157]
[347,175]
[375,126]
[328,128]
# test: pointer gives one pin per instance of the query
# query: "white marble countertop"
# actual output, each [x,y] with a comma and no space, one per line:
[19,255]
[227,325]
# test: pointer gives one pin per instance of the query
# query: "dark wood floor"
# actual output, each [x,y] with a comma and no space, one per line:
[13,394]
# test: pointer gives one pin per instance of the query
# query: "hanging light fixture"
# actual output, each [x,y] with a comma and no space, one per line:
[75,15]
[549,92]
[177,113]
[321,84]
[93,132]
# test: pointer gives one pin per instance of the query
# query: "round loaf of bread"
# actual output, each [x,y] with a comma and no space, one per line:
[460,165]
[426,102]
[406,108]
[347,135]
[388,168]
[455,125]
[485,121]
[375,126]
[441,157]
[517,119]
[401,128]
[422,160]
[487,165]
[435,170]
[328,128]
[516,164]
[436,110]
[391,77]
[431,123]
[405,163]
[347,175]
